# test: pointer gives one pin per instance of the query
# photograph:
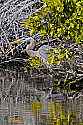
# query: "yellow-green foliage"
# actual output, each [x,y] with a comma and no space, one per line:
[60,18]
[56,55]
[34,62]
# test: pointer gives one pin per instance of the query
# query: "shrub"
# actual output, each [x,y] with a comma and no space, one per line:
[59,18]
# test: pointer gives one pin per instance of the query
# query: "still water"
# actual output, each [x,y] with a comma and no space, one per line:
[23,101]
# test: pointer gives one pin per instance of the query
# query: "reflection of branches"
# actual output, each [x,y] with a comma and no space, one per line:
[8,91]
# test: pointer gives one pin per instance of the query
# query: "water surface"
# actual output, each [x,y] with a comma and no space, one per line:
[23,101]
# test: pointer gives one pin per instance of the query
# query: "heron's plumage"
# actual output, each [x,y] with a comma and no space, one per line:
[42,52]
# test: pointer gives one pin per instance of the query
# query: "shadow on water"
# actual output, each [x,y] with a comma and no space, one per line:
[23,101]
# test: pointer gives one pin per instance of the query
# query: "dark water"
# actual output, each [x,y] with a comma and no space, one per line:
[23,101]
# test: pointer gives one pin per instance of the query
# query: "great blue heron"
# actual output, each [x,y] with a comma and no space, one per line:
[42,51]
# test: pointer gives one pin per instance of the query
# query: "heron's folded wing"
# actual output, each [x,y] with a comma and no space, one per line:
[43,52]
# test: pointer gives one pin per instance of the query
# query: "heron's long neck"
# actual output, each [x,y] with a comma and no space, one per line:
[31,46]
[30,51]
[33,53]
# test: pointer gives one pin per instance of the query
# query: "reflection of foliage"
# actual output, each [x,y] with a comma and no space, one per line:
[81,123]
[59,18]
[36,106]
[56,55]
[57,115]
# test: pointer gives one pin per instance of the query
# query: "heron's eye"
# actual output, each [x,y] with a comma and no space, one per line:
[28,42]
